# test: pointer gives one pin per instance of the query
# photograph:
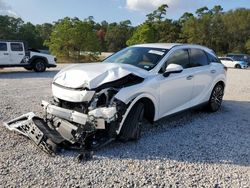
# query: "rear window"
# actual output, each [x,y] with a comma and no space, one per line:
[3,46]
[198,58]
[16,46]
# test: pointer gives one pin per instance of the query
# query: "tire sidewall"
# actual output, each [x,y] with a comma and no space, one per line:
[211,108]
[39,65]
[131,129]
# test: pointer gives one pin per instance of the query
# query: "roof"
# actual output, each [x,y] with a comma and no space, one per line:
[171,45]
[158,45]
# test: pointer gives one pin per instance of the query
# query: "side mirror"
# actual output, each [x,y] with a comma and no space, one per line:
[172,68]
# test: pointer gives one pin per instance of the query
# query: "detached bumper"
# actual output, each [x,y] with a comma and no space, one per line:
[37,130]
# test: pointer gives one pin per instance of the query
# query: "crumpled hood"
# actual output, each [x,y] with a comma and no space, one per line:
[92,75]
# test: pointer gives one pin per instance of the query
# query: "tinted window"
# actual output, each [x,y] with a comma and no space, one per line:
[16,47]
[179,57]
[213,58]
[198,58]
[3,46]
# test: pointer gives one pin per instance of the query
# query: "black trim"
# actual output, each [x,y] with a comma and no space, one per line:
[185,110]
[166,74]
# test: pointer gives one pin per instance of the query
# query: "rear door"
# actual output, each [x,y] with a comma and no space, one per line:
[4,54]
[17,52]
[204,72]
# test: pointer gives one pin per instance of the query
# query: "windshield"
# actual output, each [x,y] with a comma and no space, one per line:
[142,57]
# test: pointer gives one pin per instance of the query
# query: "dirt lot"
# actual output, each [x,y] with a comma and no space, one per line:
[193,149]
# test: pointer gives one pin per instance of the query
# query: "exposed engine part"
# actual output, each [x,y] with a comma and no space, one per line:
[65,129]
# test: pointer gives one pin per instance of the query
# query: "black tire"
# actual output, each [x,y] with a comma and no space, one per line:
[28,68]
[237,66]
[39,65]
[131,129]
[215,100]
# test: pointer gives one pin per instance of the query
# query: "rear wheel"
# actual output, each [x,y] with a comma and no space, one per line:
[39,65]
[216,98]
[131,129]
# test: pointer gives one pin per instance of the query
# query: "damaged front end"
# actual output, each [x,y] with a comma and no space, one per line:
[83,119]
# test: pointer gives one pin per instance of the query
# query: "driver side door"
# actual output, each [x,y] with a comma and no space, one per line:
[176,89]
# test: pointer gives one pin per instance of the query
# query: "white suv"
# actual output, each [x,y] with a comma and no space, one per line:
[14,54]
[109,99]
[231,63]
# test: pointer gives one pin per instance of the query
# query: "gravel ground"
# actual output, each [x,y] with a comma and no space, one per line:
[192,149]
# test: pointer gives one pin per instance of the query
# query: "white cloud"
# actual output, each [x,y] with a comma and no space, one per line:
[5,9]
[174,5]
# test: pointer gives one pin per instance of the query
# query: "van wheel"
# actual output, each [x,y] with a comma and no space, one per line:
[237,66]
[131,129]
[39,65]
[216,98]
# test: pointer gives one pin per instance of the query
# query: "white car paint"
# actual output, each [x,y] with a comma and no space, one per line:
[20,57]
[93,75]
[231,63]
[177,92]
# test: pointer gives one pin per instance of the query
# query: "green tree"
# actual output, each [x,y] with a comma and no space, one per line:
[29,34]
[72,36]
[9,27]
[117,35]
[144,33]
[158,14]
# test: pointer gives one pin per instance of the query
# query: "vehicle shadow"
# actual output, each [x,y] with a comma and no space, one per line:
[27,74]
[195,136]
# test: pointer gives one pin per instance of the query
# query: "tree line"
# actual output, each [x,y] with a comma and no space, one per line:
[69,37]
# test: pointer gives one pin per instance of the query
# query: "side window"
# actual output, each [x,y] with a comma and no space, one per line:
[16,46]
[179,57]
[214,59]
[3,46]
[198,58]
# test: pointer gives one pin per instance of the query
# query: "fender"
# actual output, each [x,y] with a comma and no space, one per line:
[33,58]
[134,101]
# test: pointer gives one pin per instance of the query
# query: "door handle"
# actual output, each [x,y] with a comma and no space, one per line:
[20,54]
[5,53]
[213,71]
[190,77]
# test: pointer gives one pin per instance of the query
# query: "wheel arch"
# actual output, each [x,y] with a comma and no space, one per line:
[221,82]
[35,58]
[150,111]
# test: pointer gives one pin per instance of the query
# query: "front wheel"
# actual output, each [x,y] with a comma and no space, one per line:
[39,65]
[216,98]
[131,129]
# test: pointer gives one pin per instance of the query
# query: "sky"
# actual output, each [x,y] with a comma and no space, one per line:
[41,11]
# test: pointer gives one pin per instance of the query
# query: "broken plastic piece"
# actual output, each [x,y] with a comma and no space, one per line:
[106,113]
[37,130]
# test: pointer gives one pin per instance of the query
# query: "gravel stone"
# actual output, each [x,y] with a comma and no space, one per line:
[192,149]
